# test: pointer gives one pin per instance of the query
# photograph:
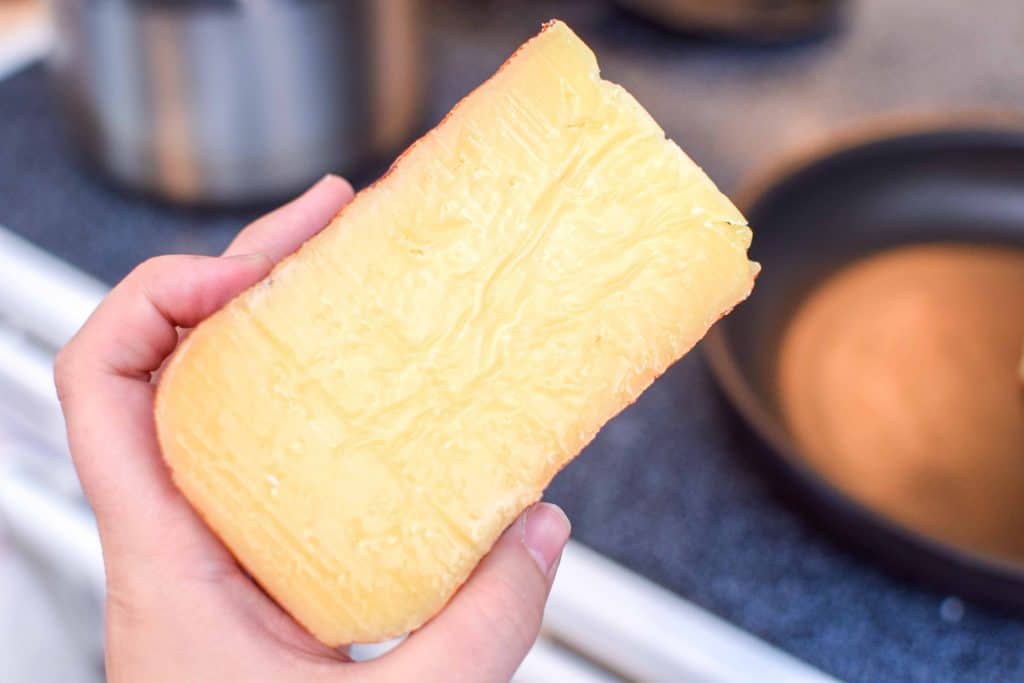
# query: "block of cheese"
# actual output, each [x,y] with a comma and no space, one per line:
[361,426]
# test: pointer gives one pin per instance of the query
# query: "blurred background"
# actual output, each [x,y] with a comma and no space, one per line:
[130,129]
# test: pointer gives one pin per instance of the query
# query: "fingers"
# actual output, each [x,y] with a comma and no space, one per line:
[134,328]
[102,378]
[282,231]
[486,630]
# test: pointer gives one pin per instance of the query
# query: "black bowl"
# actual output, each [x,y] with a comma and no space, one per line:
[957,184]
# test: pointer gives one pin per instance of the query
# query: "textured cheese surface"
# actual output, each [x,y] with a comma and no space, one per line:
[362,425]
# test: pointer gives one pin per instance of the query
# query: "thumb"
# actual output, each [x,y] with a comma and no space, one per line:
[486,630]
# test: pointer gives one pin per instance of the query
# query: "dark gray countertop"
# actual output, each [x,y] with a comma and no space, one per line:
[668,488]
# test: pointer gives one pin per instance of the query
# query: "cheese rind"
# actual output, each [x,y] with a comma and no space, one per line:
[362,425]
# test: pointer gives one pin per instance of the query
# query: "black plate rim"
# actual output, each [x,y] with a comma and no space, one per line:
[947,567]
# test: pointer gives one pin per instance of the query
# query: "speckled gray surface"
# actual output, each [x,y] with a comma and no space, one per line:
[668,488]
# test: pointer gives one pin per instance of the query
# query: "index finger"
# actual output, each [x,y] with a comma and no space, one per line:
[104,372]
[283,230]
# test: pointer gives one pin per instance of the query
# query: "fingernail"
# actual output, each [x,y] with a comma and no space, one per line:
[255,257]
[545,532]
[334,181]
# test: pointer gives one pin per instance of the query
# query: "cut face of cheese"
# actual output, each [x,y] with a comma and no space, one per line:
[361,426]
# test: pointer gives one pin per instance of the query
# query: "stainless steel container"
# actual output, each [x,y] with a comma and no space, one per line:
[215,101]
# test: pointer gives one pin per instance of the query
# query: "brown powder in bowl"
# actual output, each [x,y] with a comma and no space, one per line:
[898,379]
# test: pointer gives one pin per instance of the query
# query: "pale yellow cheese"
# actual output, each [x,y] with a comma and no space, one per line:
[361,426]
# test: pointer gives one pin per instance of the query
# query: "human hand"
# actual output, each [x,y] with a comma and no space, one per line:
[178,607]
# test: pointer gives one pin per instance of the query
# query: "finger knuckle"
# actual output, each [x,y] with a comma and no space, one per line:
[148,268]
